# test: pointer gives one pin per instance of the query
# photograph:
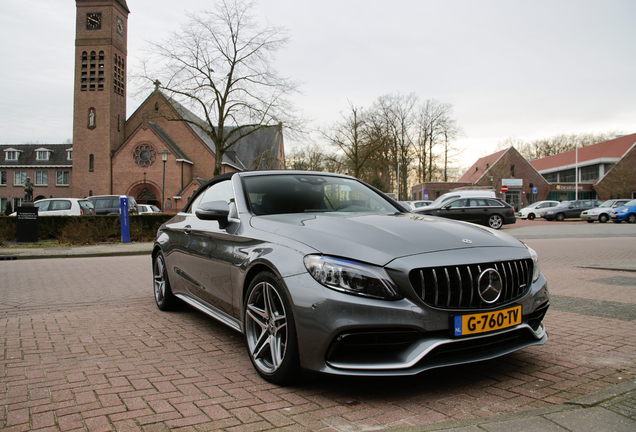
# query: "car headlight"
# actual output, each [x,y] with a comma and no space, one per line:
[352,277]
[625,210]
[535,260]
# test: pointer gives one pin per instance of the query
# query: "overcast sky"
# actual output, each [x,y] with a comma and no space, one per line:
[529,69]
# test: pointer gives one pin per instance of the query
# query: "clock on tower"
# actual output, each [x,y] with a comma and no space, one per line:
[99,107]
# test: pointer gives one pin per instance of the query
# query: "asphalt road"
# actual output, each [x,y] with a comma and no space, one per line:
[85,348]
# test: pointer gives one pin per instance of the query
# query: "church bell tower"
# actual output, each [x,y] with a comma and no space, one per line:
[99,105]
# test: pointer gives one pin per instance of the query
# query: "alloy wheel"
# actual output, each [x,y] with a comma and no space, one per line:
[266,327]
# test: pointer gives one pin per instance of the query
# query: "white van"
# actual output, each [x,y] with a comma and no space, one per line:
[481,193]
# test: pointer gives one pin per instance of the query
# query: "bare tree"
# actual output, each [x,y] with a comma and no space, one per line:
[308,158]
[434,126]
[219,64]
[351,137]
[395,113]
[450,131]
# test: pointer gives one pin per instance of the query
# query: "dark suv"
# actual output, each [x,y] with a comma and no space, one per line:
[569,209]
[109,204]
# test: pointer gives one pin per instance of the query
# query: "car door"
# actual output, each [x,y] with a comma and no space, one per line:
[206,252]
[455,209]
[102,205]
[573,210]
[60,208]
[477,211]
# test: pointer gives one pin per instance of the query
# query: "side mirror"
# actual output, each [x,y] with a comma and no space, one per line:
[214,210]
[446,207]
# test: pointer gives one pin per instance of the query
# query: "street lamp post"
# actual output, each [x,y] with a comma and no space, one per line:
[164,158]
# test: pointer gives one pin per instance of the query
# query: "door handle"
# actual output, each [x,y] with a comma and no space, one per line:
[187,229]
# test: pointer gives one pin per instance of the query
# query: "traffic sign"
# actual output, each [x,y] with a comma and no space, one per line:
[504,188]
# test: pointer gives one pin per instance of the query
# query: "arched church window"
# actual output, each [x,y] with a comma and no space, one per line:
[92,71]
[100,72]
[84,72]
[118,75]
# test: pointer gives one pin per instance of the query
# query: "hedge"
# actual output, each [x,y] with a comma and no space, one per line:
[87,229]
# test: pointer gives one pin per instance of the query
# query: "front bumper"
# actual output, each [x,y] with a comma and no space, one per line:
[348,335]
[622,217]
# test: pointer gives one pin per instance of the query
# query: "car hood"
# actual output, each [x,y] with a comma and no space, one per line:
[379,239]
[619,209]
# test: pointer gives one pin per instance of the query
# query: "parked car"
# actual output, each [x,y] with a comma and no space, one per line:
[627,213]
[569,209]
[465,193]
[419,203]
[323,272]
[602,213]
[147,208]
[109,204]
[63,207]
[533,210]
[491,212]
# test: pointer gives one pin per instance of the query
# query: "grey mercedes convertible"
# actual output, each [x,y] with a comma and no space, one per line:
[322,272]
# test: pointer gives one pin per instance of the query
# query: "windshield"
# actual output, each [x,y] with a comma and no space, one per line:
[565,204]
[631,203]
[299,193]
[607,204]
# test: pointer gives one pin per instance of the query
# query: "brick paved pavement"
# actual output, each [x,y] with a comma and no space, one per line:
[84,348]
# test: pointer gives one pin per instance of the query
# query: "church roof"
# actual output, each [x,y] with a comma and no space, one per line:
[124,5]
[180,154]
[241,155]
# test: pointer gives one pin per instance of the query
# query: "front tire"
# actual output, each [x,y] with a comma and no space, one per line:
[560,217]
[495,221]
[531,216]
[270,331]
[603,218]
[164,298]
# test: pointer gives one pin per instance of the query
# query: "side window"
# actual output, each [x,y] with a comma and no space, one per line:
[102,203]
[576,204]
[478,203]
[61,205]
[221,191]
[493,203]
[43,205]
[457,203]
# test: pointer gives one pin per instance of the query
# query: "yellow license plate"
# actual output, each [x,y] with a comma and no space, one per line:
[487,321]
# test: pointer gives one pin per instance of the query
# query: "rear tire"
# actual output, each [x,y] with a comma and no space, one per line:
[589,221]
[631,218]
[495,221]
[164,298]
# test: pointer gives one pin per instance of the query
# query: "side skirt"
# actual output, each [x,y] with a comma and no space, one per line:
[214,313]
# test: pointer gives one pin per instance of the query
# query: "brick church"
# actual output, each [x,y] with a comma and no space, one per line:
[112,155]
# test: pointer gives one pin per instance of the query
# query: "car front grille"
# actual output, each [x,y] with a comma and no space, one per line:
[456,287]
